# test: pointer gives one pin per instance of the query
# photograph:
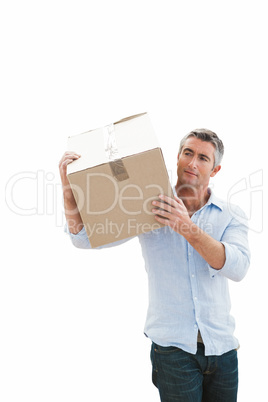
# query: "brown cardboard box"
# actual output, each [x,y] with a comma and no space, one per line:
[120,172]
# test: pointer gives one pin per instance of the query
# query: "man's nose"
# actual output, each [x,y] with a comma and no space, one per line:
[193,162]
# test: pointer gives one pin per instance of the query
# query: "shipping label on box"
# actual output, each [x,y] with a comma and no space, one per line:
[120,172]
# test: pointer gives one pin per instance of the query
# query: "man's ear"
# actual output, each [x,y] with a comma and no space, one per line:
[215,170]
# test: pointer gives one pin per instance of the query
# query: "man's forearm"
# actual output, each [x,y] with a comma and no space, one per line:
[73,217]
[210,249]
[72,214]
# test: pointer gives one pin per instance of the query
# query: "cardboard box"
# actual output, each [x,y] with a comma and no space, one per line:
[120,172]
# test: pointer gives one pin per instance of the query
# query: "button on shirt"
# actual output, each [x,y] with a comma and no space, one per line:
[185,293]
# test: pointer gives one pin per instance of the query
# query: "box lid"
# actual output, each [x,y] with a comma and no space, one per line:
[123,138]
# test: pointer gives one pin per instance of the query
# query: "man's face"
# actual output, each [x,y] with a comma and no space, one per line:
[195,163]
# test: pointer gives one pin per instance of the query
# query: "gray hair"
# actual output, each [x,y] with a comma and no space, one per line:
[208,136]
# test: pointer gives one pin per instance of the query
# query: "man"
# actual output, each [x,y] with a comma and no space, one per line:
[203,244]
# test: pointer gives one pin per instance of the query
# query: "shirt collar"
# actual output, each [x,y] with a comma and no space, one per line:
[214,200]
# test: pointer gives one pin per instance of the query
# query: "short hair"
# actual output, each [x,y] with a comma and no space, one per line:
[204,134]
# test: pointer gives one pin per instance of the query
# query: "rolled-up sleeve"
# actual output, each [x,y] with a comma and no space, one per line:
[79,240]
[237,253]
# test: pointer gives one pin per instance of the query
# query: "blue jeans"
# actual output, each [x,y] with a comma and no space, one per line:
[181,376]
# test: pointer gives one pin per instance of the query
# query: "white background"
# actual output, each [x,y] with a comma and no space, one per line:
[72,320]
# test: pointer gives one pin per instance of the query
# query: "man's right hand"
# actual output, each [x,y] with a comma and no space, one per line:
[68,157]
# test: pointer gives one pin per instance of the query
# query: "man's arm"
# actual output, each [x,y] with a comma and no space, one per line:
[173,213]
[72,214]
[210,249]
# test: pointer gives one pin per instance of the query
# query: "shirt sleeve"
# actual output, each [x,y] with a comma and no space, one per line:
[80,240]
[235,241]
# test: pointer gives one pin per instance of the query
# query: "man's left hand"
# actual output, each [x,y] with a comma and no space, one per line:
[172,212]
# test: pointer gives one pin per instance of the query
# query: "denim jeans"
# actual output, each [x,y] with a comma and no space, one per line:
[181,376]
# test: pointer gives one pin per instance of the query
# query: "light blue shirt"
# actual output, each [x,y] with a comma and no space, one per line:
[185,293]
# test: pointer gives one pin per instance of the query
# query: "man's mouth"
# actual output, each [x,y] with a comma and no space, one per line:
[189,172]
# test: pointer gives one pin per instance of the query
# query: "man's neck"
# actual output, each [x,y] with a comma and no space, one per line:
[194,198]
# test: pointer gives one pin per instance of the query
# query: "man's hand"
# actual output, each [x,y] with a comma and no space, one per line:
[72,214]
[172,212]
[67,158]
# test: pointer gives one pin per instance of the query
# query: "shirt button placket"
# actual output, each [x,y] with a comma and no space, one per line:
[193,284]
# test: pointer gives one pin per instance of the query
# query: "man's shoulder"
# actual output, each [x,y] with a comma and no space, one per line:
[228,208]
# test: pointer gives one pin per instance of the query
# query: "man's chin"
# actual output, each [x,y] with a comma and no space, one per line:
[190,179]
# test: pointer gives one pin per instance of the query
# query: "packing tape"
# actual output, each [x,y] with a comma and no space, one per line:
[111,149]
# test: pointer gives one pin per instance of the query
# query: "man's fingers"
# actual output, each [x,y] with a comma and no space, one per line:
[71,153]
[163,206]
[171,201]
[67,161]
[164,221]
[167,203]
[168,210]
[68,157]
